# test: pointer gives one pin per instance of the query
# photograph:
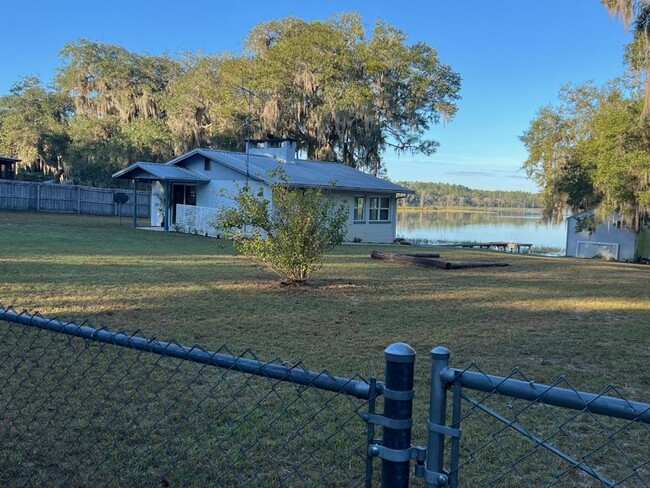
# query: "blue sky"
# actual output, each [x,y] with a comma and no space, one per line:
[513,56]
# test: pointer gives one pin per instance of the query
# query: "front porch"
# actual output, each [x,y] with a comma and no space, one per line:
[175,186]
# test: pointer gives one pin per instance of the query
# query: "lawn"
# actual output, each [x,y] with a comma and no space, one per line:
[588,319]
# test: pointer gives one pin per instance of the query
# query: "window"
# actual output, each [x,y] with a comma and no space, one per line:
[358,209]
[206,164]
[379,209]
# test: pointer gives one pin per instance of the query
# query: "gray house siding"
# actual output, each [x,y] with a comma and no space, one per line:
[199,219]
[226,181]
[223,181]
[365,229]
[205,180]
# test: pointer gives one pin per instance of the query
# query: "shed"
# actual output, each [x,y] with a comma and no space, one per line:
[7,170]
[610,240]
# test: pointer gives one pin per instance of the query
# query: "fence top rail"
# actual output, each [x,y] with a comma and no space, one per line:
[550,394]
[68,186]
[290,373]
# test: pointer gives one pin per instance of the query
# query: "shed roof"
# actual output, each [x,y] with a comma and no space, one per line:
[303,173]
[8,160]
[159,172]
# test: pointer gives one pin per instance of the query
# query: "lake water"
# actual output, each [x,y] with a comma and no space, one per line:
[441,227]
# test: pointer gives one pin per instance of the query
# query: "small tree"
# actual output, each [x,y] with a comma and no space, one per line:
[289,234]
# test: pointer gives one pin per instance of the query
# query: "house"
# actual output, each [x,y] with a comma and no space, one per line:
[610,240]
[187,192]
[7,171]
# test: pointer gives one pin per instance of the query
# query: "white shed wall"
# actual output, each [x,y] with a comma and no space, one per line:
[605,233]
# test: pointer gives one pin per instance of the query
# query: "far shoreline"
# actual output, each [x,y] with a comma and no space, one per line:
[468,209]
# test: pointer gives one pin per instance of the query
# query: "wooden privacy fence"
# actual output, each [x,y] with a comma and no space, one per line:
[44,197]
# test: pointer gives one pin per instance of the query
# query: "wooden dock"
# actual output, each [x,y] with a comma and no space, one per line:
[498,245]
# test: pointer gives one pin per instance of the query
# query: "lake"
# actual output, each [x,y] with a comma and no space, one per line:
[443,227]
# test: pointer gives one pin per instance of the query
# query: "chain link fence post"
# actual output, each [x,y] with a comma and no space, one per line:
[434,474]
[370,433]
[398,411]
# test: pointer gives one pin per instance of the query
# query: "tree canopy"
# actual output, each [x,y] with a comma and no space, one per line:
[347,96]
[434,195]
[34,124]
[635,15]
[591,152]
[344,92]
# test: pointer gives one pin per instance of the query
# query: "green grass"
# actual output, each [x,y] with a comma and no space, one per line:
[588,319]
[550,314]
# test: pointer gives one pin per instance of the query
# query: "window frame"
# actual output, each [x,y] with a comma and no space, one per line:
[355,208]
[378,209]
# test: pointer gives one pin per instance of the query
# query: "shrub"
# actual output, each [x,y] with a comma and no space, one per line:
[290,234]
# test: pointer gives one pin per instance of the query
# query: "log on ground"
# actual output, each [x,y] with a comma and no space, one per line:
[475,264]
[421,254]
[429,262]
[403,258]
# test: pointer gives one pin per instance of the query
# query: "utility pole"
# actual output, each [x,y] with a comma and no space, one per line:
[250,94]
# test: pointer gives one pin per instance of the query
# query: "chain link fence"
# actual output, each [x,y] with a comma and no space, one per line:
[83,406]
[514,432]
[87,407]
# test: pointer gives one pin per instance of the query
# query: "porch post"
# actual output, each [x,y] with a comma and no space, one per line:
[168,197]
[135,205]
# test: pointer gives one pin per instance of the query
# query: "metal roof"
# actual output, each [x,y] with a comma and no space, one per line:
[299,172]
[159,172]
